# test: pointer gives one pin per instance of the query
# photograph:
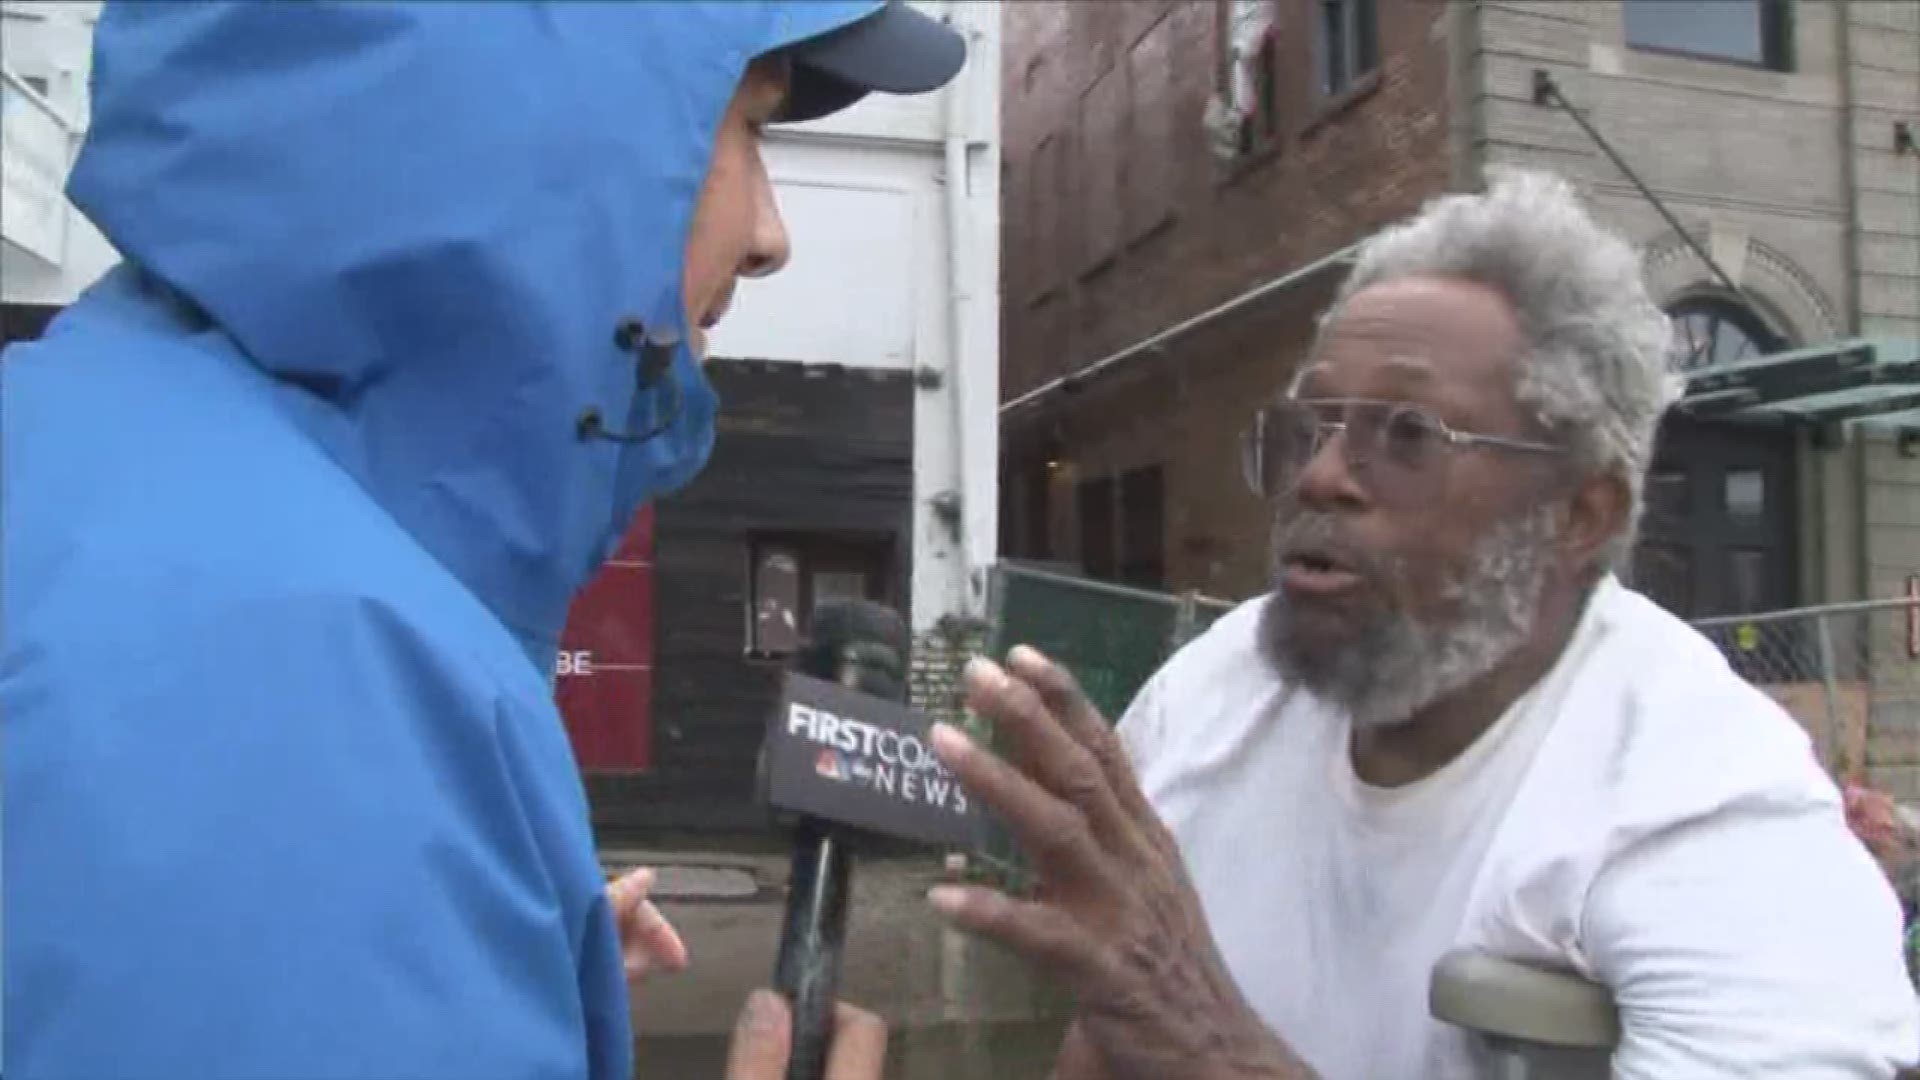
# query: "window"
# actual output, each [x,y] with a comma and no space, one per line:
[1037,511]
[1025,509]
[1098,558]
[790,574]
[1746,494]
[1103,120]
[1756,32]
[1346,43]
[38,82]
[1143,526]
[1123,524]
[1709,331]
[1245,114]
[1264,125]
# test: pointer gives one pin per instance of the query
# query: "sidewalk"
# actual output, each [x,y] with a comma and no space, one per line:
[956,1009]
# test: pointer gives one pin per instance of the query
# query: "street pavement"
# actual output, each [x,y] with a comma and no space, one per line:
[957,1009]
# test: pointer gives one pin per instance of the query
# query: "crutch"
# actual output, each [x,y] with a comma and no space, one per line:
[1541,1024]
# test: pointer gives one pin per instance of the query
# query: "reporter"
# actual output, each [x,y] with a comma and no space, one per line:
[298,497]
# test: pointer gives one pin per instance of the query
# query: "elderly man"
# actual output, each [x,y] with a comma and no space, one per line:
[1449,726]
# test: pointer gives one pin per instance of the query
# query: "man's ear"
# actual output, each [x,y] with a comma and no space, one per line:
[1596,513]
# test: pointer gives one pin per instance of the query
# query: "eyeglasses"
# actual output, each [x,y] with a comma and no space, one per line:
[1395,450]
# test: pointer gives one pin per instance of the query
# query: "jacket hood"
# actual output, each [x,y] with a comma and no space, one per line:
[424,222]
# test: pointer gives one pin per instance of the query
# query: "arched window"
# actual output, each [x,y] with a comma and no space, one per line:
[1709,330]
[1719,534]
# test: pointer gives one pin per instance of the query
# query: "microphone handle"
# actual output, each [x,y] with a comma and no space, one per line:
[808,968]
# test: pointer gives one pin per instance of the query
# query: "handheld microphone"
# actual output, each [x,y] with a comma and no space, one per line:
[843,756]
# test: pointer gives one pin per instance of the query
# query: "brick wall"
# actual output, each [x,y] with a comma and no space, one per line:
[1120,222]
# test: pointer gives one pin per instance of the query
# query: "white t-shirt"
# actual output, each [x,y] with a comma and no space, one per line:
[1642,816]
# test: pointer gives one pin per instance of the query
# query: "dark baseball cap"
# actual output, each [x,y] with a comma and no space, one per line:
[895,50]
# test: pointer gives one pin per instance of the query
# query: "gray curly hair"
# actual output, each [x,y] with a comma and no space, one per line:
[1598,363]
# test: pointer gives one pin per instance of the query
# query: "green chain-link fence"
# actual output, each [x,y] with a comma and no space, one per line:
[1850,673]
[1112,637]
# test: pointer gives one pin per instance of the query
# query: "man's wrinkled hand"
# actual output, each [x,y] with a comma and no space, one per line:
[1115,917]
[763,1039]
[648,942]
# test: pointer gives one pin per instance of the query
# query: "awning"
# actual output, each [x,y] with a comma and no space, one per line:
[1874,380]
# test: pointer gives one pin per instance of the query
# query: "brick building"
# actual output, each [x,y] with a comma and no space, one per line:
[1183,180]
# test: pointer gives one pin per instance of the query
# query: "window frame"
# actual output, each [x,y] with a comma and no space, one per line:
[1136,552]
[1111,493]
[869,554]
[1262,129]
[1360,52]
[1777,25]
[1718,310]
[1098,536]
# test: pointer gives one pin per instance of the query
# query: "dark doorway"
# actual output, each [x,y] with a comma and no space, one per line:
[1719,535]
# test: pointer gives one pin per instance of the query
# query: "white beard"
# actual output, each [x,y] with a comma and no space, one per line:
[1397,665]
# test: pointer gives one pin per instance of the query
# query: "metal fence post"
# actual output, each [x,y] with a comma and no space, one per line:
[1830,690]
[1185,612]
[1843,666]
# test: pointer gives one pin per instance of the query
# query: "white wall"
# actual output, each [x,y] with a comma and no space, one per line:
[864,194]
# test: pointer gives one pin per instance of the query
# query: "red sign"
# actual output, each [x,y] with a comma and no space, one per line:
[605,683]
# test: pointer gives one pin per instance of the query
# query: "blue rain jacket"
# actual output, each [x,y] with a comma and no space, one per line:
[294,505]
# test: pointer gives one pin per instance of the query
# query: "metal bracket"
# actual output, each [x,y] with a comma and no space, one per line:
[946,506]
[1547,92]
[1543,88]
